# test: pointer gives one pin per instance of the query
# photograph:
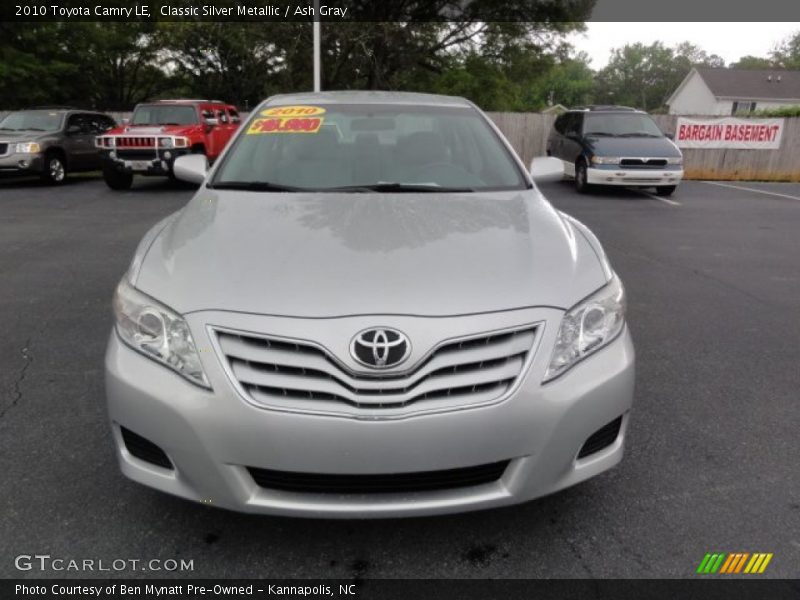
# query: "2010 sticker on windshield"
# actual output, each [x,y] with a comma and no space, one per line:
[288,119]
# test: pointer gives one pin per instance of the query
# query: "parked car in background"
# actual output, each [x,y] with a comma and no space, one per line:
[615,145]
[368,309]
[161,131]
[51,141]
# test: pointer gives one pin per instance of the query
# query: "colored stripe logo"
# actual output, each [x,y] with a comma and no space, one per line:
[734,563]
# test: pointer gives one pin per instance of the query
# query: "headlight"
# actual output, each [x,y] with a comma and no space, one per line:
[28,148]
[165,142]
[157,332]
[587,327]
[675,160]
[605,160]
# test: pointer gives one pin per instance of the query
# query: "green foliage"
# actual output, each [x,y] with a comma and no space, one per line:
[787,54]
[107,65]
[784,111]
[645,76]
[752,62]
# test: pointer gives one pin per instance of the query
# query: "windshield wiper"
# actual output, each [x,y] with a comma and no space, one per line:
[399,187]
[603,133]
[255,186]
[638,134]
[8,129]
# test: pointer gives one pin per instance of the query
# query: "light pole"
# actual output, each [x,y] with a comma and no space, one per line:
[317,66]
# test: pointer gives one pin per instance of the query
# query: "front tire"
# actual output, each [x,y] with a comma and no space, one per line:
[54,171]
[665,190]
[116,179]
[582,178]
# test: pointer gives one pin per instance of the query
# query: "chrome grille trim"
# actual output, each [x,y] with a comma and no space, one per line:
[299,375]
[643,163]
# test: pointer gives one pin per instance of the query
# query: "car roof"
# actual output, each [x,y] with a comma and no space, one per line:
[368,97]
[62,109]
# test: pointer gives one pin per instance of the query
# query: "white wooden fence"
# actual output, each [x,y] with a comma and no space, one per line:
[527,133]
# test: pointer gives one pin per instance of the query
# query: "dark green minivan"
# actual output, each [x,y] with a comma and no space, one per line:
[615,145]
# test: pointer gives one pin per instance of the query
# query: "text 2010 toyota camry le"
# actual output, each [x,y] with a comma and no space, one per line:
[367,310]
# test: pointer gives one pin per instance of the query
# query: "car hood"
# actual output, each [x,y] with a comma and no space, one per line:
[25,134]
[154,130]
[633,147]
[331,254]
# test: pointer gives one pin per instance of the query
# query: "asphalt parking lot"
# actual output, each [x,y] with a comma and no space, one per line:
[713,282]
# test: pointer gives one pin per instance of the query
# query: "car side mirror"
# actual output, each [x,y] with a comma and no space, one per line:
[191,168]
[546,168]
[126,121]
[212,122]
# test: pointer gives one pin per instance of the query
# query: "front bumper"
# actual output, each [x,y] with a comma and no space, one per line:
[150,162]
[212,436]
[21,163]
[610,175]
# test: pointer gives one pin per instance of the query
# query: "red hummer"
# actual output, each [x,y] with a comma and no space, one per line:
[159,132]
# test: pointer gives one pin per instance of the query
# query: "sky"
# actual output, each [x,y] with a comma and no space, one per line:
[729,40]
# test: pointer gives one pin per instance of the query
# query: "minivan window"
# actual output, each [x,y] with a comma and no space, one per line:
[339,146]
[620,125]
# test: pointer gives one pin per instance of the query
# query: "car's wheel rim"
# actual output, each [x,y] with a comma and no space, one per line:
[56,170]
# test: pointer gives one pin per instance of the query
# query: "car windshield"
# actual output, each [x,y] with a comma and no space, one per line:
[32,120]
[363,148]
[622,125]
[157,114]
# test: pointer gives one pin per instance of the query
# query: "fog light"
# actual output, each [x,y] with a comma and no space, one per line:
[24,164]
[112,154]
[167,154]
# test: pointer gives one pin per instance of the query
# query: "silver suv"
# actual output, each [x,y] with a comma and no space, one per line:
[367,310]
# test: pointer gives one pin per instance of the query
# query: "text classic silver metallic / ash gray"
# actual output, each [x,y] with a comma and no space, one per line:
[367,310]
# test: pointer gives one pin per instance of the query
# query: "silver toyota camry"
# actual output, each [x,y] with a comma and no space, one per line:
[367,310]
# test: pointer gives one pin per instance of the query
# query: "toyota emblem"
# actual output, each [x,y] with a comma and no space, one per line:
[380,347]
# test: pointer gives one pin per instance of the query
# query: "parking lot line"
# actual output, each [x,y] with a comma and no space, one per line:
[749,189]
[655,197]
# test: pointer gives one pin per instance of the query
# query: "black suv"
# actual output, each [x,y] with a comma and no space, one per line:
[615,145]
[50,142]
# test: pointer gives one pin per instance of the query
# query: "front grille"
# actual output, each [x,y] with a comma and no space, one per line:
[465,371]
[390,483]
[136,142]
[3,149]
[643,163]
[144,449]
[603,437]
[137,154]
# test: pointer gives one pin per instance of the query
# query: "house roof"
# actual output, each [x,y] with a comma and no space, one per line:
[765,84]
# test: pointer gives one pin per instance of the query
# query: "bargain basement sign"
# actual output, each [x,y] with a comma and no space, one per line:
[729,132]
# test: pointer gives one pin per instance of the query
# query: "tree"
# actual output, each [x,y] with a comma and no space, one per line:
[103,65]
[569,82]
[645,76]
[786,55]
[752,62]
[236,62]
